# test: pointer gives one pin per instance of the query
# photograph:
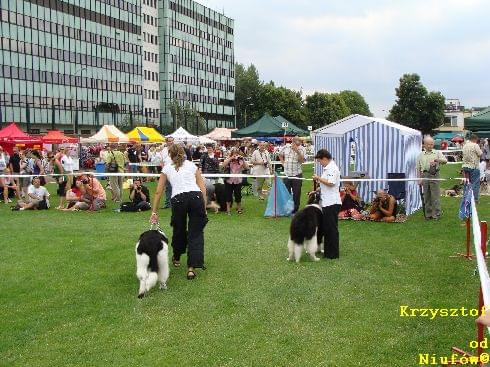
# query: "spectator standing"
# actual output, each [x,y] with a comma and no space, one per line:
[14,164]
[133,156]
[428,165]
[236,164]
[165,159]
[471,164]
[261,162]
[4,163]
[329,188]
[115,162]
[292,157]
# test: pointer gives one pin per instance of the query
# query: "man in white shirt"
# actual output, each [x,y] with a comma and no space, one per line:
[38,197]
[471,164]
[261,162]
[329,188]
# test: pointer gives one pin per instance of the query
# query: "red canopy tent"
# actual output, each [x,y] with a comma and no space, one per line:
[57,137]
[11,136]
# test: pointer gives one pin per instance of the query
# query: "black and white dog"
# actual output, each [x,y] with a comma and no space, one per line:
[306,229]
[152,261]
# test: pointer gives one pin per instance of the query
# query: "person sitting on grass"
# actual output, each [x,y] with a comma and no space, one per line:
[38,197]
[139,196]
[92,196]
[10,189]
[383,207]
[350,202]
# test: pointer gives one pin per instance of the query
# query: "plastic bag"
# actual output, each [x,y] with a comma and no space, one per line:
[280,201]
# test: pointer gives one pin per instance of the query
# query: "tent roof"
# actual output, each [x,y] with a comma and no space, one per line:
[205,140]
[481,121]
[292,128]
[349,123]
[268,126]
[57,137]
[183,135]
[220,133]
[12,133]
[145,134]
[447,135]
[107,134]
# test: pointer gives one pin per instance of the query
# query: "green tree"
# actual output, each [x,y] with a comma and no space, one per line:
[280,101]
[355,102]
[187,117]
[324,108]
[415,107]
[247,89]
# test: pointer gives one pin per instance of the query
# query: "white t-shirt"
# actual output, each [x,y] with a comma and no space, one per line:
[39,192]
[257,159]
[67,163]
[183,180]
[165,159]
[330,194]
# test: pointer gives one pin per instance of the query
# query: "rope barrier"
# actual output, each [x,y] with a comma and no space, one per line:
[223,175]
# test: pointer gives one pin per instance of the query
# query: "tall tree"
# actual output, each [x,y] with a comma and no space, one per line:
[324,108]
[415,107]
[280,101]
[355,102]
[247,89]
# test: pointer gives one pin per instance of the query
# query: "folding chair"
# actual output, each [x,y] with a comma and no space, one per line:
[398,190]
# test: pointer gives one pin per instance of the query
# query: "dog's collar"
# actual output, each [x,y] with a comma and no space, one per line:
[316,206]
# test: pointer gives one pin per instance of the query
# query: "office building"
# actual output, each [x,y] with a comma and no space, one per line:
[72,64]
[79,64]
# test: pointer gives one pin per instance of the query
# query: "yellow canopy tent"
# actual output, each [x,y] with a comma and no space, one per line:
[145,135]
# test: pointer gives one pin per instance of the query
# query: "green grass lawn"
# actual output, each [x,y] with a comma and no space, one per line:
[68,293]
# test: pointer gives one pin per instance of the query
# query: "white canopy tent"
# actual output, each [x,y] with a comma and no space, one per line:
[183,136]
[203,139]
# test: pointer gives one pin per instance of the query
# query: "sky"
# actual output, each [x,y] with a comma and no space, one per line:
[366,45]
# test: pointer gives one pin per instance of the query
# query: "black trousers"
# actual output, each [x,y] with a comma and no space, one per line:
[295,187]
[331,230]
[233,190]
[189,236]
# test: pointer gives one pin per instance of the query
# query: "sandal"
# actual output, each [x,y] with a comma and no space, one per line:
[239,211]
[191,274]
[175,262]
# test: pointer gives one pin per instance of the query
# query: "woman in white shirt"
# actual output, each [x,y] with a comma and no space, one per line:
[261,166]
[188,201]
[331,202]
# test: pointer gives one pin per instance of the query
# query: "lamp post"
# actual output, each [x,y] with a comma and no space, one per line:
[250,104]
[75,118]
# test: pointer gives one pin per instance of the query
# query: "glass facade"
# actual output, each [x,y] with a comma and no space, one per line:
[76,64]
[196,62]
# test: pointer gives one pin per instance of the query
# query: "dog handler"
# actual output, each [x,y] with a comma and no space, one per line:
[331,203]
[188,201]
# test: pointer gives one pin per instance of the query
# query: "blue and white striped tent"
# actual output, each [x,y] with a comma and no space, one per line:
[382,147]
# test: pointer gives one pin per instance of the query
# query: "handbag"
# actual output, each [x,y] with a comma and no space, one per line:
[112,167]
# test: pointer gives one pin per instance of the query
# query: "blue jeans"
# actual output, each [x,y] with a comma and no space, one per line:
[474,175]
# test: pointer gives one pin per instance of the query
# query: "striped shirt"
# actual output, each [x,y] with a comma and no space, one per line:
[292,166]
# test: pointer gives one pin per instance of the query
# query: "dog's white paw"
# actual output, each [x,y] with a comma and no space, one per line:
[316,259]
[163,286]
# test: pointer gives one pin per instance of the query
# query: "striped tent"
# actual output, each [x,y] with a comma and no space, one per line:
[380,146]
